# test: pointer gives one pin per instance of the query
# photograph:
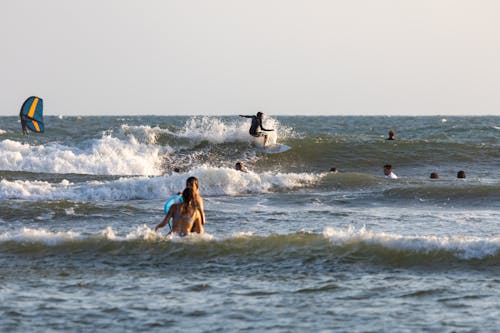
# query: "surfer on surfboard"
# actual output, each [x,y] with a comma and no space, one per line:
[256,127]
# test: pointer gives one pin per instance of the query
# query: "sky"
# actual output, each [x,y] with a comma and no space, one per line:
[227,57]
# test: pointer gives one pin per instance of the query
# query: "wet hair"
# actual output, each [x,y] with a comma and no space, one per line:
[259,114]
[387,166]
[238,166]
[333,169]
[434,175]
[461,174]
[192,181]
[188,196]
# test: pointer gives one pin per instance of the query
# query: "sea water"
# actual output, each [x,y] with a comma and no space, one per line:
[289,246]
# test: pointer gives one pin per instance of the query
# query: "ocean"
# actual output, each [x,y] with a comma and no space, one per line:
[289,246]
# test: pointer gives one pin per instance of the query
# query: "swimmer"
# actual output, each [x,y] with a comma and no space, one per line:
[388,172]
[256,124]
[392,135]
[333,170]
[186,217]
[434,175]
[461,174]
[192,182]
[240,167]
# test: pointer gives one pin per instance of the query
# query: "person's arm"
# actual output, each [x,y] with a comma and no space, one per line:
[169,215]
[197,225]
[246,116]
[201,209]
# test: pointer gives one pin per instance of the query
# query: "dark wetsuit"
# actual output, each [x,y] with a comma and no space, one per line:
[256,123]
[24,125]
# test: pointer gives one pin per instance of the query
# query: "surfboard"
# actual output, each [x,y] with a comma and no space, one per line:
[275,148]
[170,201]
[272,146]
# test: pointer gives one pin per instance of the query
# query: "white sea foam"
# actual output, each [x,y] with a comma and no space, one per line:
[215,130]
[105,156]
[142,134]
[213,181]
[27,235]
[462,247]
[2,131]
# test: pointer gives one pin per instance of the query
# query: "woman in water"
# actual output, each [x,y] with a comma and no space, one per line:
[186,217]
[192,182]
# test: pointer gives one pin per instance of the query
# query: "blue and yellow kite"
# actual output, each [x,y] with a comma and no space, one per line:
[32,115]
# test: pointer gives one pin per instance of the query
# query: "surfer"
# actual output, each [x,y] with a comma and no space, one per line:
[388,172]
[256,125]
[186,217]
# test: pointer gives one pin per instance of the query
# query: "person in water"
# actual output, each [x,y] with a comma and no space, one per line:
[461,174]
[256,127]
[24,123]
[186,217]
[240,167]
[392,135]
[388,172]
[192,182]
[434,175]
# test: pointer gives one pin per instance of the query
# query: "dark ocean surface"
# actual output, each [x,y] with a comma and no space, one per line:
[289,246]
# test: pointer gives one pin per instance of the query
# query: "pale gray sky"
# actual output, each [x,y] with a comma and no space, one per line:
[225,57]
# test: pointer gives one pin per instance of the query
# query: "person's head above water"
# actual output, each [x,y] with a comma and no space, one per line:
[392,135]
[188,196]
[387,169]
[192,182]
[434,175]
[260,115]
[461,174]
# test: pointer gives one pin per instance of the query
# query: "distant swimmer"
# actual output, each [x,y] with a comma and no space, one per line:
[186,217]
[256,127]
[461,174]
[240,167]
[434,175]
[333,170]
[392,135]
[388,172]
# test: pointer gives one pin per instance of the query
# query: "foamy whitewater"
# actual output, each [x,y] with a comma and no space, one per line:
[289,246]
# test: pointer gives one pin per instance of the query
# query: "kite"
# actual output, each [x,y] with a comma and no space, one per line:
[32,115]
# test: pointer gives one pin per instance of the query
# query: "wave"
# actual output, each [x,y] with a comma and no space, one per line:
[105,156]
[347,246]
[346,154]
[213,181]
[140,150]
[128,147]
[216,130]
[467,193]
